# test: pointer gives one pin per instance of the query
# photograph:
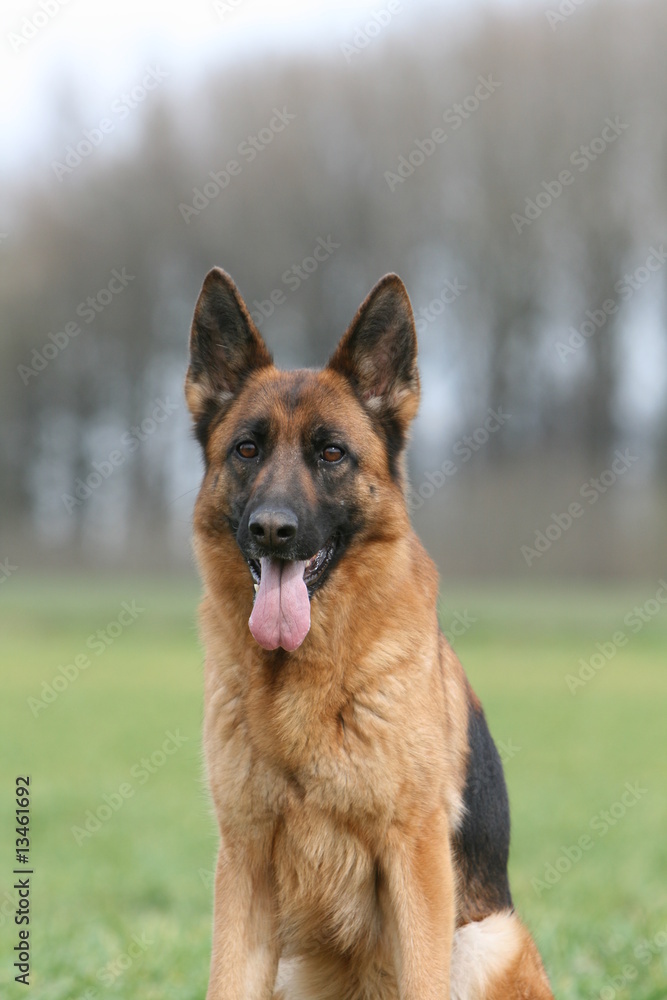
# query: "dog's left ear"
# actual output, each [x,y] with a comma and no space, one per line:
[378,354]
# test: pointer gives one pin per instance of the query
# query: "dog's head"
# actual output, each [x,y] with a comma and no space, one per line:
[301,466]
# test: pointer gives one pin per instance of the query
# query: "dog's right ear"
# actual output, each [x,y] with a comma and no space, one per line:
[225,347]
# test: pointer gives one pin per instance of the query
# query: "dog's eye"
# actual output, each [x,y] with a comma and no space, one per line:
[332,453]
[247,449]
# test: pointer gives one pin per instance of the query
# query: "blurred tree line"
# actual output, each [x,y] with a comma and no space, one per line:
[513,172]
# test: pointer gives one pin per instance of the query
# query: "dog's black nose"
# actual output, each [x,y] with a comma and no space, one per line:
[272,528]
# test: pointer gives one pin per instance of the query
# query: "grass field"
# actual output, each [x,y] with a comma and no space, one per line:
[122,909]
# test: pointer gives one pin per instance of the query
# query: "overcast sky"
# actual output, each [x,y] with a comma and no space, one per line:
[103,46]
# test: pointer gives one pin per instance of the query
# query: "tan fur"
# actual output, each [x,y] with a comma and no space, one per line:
[337,771]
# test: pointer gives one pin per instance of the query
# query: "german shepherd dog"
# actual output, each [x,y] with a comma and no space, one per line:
[363,815]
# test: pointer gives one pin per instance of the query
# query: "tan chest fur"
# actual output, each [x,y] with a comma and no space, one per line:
[320,767]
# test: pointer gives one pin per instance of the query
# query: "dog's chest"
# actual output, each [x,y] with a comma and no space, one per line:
[324,778]
[339,756]
[325,883]
[337,799]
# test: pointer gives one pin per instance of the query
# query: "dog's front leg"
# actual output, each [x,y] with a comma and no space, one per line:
[244,958]
[419,895]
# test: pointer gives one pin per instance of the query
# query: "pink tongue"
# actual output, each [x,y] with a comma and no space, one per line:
[281,615]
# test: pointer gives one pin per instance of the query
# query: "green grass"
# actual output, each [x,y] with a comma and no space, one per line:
[602,926]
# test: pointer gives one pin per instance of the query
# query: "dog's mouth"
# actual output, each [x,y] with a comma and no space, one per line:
[283,588]
[314,572]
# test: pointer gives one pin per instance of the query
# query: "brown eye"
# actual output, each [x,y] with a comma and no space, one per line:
[247,449]
[332,453]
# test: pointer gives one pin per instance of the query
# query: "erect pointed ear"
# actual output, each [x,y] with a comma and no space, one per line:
[225,347]
[378,355]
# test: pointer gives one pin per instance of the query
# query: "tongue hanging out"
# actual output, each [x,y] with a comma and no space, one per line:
[281,615]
